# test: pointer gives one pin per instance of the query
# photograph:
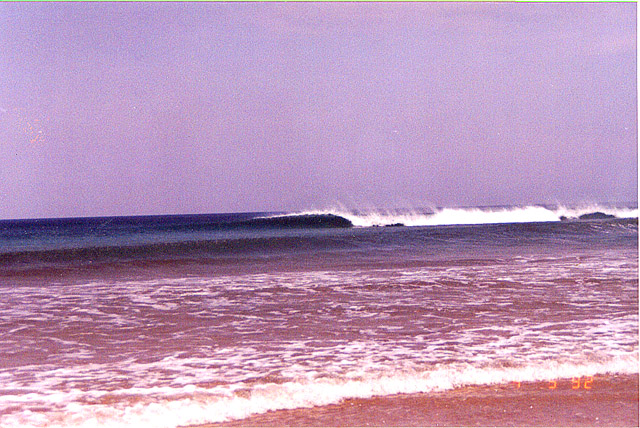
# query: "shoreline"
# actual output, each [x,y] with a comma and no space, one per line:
[611,400]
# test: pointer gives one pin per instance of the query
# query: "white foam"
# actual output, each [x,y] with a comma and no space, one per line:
[460,216]
[191,405]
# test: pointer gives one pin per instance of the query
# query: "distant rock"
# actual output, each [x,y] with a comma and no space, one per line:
[596,216]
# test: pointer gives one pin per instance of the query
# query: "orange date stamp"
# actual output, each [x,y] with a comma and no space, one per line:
[582,382]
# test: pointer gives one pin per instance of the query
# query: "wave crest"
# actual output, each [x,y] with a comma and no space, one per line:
[462,216]
[193,405]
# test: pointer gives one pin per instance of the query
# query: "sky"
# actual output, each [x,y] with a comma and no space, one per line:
[183,108]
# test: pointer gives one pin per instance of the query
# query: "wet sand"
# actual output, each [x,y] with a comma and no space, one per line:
[611,401]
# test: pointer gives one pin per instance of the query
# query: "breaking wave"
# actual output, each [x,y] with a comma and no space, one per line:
[313,220]
[186,405]
[462,216]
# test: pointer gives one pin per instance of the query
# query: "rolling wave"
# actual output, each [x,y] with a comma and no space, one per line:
[183,405]
[312,220]
[462,216]
[543,221]
[165,250]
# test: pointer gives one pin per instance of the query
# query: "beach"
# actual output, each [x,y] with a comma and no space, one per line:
[319,214]
[612,402]
[321,319]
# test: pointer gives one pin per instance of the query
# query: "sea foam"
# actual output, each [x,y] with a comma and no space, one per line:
[461,216]
[191,405]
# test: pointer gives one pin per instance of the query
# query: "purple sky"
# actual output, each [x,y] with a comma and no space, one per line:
[154,108]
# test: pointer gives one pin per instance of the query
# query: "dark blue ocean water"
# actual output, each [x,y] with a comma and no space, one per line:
[59,243]
[178,320]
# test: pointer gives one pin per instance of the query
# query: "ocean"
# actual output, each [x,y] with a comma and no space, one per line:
[501,316]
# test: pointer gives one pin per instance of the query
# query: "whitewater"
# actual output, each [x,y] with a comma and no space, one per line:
[176,321]
[459,216]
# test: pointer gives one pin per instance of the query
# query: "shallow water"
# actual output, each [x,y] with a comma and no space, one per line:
[134,325]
